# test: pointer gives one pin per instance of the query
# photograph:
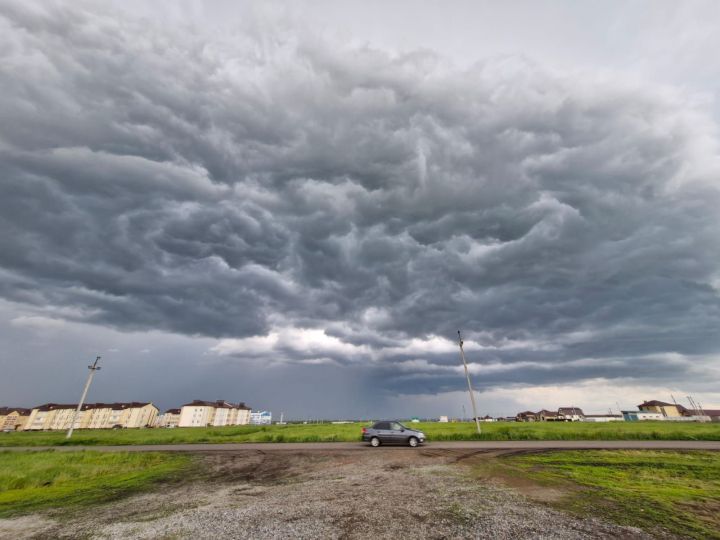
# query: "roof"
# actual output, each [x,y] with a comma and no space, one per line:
[548,413]
[4,411]
[571,410]
[89,406]
[526,413]
[55,406]
[118,406]
[219,404]
[172,411]
[656,403]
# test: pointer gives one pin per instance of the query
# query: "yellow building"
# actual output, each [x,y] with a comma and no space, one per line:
[56,416]
[201,413]
[666,409]
[13,418]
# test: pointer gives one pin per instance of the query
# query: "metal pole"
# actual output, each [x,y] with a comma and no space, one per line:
[92,369]
[470,390]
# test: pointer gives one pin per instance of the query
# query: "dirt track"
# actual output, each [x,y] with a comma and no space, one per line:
[383,493]
[440,445]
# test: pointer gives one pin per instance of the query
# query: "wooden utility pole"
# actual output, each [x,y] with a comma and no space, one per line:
[470,390]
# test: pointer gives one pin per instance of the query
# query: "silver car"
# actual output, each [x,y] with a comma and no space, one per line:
[392,432]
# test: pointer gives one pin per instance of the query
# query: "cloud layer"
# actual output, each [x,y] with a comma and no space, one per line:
[308,202]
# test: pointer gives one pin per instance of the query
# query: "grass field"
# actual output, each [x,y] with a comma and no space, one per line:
[678,491]
[500,431]
[31,481]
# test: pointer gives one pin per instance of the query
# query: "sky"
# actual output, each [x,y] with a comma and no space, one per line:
[298,205]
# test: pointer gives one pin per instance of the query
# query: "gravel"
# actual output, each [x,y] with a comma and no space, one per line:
[381,493]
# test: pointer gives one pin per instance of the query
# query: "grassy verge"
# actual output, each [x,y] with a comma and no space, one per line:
[501,431]
[676,491]
[32,481]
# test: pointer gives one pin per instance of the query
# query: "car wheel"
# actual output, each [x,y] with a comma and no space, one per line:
[412,441]
[375,442]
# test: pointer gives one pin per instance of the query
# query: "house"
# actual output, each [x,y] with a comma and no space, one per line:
[666,409]
[487,418]
[547,416]
[13,418]
[168,419]
[59,416]
[199,413]
[261,417]
[570,414]
[525,416]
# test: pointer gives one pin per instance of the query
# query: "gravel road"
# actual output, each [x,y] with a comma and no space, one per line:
[378,493]
[439,445]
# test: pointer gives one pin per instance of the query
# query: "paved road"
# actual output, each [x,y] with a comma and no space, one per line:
[441,445]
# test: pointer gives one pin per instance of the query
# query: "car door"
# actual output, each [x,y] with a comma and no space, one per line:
[382,430]
[396,433]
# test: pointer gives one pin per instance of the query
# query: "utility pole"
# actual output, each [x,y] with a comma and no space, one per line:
[467,376]
[92,369]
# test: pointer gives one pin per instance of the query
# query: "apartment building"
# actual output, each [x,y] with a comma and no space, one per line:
[127,415]
[168,419]
[199,413]
[13,418]
[58,416]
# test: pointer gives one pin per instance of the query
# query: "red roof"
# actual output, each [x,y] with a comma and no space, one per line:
[89,406]
[656,403]
[219,404]
[4,411]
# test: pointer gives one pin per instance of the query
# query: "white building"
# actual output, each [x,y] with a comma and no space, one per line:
[213,413]
[570,414]
[632,416]
[261,417]
[603,418]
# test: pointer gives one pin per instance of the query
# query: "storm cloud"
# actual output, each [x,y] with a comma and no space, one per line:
[307,202]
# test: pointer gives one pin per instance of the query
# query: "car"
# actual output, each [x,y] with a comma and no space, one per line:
[392,432]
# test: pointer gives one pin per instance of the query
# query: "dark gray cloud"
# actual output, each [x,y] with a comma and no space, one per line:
[234,186]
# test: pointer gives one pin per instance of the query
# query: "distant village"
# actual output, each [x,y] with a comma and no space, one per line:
[648,410]
[199,413]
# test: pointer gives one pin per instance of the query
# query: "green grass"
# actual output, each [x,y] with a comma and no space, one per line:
[500,431]
[32,481]
[678,491]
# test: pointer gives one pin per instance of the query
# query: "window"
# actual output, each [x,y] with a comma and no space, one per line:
[395,426]
[382,425]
